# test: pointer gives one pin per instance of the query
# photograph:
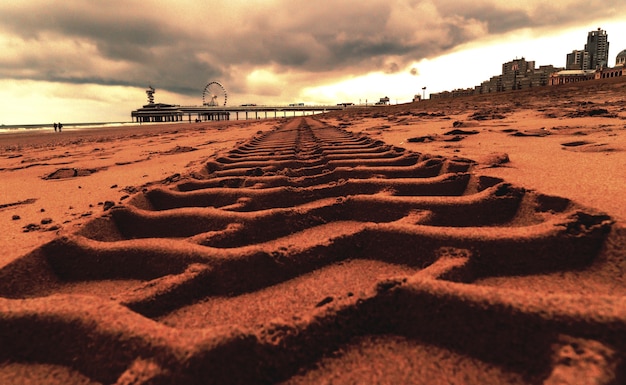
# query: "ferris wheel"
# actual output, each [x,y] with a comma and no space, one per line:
[214,95]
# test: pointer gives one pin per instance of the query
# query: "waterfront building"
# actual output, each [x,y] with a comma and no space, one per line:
[598,48]
[610,72]
[582,65]
[571,76]
[578,60]
[383,101]
[517,74]
[618,70]
[594,56]
[454,93]
[620,59]
[494,84]
[541,77]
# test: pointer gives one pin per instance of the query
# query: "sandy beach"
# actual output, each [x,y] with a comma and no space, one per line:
[472,240]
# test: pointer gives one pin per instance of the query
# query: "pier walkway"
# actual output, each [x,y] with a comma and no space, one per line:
[159,112]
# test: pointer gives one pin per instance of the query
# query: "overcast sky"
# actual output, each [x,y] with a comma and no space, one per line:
[89,61]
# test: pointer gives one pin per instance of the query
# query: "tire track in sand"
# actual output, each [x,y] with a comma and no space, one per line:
[284,258]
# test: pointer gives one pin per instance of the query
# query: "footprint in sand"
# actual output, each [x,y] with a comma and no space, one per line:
[586,146]
[64,173]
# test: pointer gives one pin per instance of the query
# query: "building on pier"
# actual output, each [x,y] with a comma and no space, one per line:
[161,112]
[157,112]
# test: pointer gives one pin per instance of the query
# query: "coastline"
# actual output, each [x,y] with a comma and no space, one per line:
[121,159]
[23,128]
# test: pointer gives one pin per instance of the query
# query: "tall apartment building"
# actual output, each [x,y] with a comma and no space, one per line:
[598,48]
[578,60]
[516,74]
[518,67]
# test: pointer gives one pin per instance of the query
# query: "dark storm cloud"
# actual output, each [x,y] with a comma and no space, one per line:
[180,46]
[152,49]
[498,19]
[502,16]
[108,27]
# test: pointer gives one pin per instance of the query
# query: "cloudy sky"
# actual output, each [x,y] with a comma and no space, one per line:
[91,61]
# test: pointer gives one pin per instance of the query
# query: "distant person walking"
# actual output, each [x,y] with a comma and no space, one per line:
[55,127]
[60,126]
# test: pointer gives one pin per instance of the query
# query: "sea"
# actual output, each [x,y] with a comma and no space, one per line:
[25,128]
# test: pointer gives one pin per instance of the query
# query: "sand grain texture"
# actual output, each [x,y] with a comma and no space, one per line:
[328,249]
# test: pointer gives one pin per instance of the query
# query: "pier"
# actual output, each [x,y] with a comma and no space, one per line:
[159,112]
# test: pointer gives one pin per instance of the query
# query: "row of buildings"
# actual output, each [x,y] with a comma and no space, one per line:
[594,56]
[581,65]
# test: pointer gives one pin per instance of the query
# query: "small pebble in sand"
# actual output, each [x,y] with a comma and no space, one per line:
[46,221]
[325,301]
[16,217]
[494,159]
